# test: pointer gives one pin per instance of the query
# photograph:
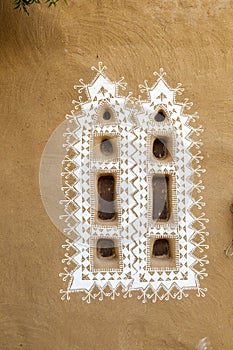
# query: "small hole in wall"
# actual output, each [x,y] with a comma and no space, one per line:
[161,249]
[107,115]
[106,197]
[160,117]
[105,248]
[106,147]
[160,150]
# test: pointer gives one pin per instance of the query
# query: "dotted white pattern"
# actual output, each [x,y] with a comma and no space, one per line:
[133,126]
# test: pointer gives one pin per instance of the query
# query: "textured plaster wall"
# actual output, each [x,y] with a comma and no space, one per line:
[42,57]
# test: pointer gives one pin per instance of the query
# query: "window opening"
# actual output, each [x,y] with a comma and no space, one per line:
[107,115]
[105,248]
[160,150]
[160,189]
[160,117]
[106,196]
[161,249]
[106,147]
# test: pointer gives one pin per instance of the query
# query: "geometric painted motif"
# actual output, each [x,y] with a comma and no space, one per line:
[132,129]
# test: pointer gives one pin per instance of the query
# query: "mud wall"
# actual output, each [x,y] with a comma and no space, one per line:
[42,56]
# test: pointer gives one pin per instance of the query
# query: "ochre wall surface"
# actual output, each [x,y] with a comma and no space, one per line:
[42,57]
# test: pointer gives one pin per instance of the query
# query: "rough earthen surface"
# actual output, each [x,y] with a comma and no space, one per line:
[42,57]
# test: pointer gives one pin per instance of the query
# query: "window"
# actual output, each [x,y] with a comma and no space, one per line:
[106,197]
[163,253]
[161,249]
[160,189]
[104,147]
[105,254]
[160,150]
[160,117]
[131,211]
[105,248]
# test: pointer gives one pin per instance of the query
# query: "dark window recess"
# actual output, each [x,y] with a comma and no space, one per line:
[160,148]
[160,117]
[160,185]
[106,196]
[107,115]
[161,248]
[105,248]
[106,147]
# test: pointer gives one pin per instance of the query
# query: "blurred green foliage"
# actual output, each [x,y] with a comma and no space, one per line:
[25,4]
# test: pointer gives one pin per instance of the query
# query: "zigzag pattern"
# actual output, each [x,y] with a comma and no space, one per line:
[133,120]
